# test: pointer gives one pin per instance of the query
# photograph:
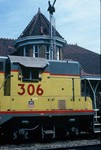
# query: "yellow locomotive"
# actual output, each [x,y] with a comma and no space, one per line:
[42,98]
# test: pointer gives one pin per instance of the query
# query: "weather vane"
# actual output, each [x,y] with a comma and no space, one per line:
[51,8]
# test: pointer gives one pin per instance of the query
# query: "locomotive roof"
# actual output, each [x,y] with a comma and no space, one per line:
[62,61]
[64,67]
[36,62]
[53,66]
[29,61]
[3,57]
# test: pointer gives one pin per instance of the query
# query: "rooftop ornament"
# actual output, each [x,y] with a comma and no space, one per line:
[51,8]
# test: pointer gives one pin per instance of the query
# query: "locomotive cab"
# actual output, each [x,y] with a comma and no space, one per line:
[29,69]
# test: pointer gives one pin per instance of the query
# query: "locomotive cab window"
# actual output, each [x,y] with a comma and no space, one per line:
[30,74]
[1,66]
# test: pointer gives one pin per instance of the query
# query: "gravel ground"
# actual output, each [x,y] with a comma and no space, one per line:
[37,146]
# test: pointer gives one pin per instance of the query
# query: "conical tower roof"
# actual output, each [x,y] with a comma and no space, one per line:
[39,25]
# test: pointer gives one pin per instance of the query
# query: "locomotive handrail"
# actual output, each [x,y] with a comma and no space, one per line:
[8,76]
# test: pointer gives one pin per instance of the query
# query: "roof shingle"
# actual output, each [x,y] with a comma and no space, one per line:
[90,61]
[6,46]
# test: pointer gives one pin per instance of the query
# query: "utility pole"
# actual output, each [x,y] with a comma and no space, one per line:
[51,10]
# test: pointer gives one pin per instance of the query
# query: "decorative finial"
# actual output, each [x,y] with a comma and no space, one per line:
[39,10]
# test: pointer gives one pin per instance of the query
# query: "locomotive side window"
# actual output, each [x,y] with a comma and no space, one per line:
[30,74]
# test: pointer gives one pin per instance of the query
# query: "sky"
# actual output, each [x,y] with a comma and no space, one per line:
[78,21]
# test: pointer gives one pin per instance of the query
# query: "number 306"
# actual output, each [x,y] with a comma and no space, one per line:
[31,90]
